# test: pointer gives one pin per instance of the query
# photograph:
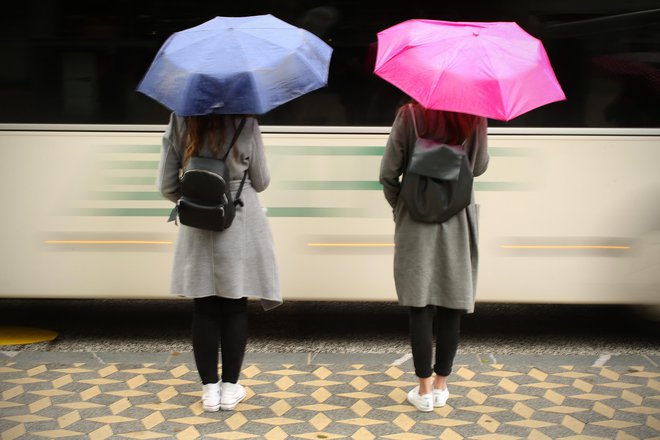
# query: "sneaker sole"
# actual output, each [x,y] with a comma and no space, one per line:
[420,409]
[231,406]
[211,408]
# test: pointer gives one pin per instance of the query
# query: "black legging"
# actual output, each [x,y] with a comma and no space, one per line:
[219,321]
[421,338]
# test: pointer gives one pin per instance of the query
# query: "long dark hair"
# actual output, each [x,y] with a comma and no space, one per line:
[209,128]
[449,127]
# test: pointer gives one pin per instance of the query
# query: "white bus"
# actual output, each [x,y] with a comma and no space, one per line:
[570,204]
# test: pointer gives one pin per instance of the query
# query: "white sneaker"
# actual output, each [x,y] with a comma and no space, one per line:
[211,397]
[440,397]
[232,393]
[421,402]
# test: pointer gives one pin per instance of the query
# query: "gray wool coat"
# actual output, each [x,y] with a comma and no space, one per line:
[434,263]
[239,261]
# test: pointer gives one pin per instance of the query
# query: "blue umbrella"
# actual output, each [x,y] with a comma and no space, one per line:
[236,65]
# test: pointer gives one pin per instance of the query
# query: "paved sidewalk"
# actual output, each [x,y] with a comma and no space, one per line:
[327,396]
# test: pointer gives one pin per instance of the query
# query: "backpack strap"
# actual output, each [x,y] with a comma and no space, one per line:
[412,112]
[408,159]
[233,140]
[237,200]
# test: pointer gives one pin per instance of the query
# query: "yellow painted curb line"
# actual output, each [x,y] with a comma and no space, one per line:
[24,335]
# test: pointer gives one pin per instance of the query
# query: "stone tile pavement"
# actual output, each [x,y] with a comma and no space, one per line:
[121,395]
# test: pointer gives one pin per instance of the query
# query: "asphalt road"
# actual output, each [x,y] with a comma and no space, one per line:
[339,327]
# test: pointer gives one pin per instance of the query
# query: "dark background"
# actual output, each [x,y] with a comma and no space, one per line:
[79,62]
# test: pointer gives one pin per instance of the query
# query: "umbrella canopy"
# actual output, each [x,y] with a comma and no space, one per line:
[236,65]
[496,70]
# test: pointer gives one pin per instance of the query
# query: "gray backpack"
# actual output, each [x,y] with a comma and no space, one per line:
[438,180]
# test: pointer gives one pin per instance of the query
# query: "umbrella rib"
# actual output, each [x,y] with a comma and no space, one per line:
[500,92]
[251,67]
[313,70]
[438,80]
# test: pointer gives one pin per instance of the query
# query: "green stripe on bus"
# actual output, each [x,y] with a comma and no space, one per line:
[306,185]
[292,150]
[125,195]
[271,212]
[128,180]
[330,185]
[320,212]
[141,149]
[510,152]
[502,186]
[301,150]
[130,164]
[120,212]
[374,185]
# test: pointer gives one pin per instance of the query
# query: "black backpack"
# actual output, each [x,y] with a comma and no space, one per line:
[438,180]
[206,200]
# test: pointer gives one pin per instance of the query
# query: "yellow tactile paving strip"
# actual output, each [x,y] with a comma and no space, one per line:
[361,402]
[11,335]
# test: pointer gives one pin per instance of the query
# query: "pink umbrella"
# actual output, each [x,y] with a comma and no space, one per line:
[496,70]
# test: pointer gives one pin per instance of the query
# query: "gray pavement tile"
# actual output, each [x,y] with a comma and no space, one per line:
[355,358]
[177,358]
[631,360]
[66,357]
[8,355]
[531,360]
[278,358]
[127,357]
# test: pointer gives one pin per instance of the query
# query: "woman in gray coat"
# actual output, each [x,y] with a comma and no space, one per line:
[435,264]
[219,270]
